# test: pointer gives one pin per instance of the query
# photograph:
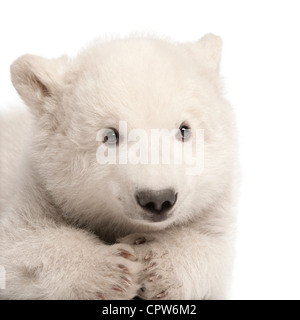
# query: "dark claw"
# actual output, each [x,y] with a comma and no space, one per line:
[161,295]
[127,255]
[125,269]
[140,240]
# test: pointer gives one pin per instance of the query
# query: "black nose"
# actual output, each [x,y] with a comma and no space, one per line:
[156,201]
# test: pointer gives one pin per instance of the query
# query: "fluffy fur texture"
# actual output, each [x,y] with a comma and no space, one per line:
[71,228]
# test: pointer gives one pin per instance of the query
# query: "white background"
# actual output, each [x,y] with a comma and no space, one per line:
[261,55]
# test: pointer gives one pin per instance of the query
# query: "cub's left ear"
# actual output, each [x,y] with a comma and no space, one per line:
[208,50]
[37,80]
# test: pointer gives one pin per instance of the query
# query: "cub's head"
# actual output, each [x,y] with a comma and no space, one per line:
[132,131]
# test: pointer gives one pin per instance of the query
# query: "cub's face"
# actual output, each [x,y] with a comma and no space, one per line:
[130,131]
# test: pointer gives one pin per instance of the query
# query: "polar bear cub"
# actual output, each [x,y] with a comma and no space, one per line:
[90,212]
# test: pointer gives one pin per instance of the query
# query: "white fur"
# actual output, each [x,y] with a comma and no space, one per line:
[62,213]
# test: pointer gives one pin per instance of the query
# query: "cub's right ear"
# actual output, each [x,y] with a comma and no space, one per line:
[38,80]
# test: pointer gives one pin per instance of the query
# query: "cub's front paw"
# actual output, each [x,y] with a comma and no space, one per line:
[158,278]
[120,274]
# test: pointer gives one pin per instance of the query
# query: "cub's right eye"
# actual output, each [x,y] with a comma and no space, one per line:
[111,137]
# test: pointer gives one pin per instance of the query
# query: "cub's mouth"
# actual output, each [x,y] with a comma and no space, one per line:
[157,218]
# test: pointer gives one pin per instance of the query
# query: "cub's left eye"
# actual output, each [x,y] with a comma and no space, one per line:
[184,133]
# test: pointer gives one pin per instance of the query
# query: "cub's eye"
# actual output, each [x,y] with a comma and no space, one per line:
[111,137]
[184,133]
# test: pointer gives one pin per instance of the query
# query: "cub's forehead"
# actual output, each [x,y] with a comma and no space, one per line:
[140,77]
[136,64]
[136,53]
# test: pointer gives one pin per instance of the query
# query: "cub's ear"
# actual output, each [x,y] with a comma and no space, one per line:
[208,50]
[38,80]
